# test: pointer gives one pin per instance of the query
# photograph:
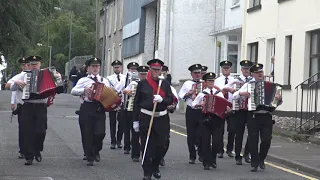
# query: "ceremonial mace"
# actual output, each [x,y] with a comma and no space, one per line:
[161,78]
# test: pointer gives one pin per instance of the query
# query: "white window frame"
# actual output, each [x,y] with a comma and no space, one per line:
[235,3]
[253,3]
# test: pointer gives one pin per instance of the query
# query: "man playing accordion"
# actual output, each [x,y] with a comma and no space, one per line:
[211,123]
[260,122]
[33,111]
[92,116]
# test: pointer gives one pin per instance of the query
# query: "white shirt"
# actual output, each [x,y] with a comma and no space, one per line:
[13,97]
[237,80]
[114,79]
[244,88]
[200,96]
[186,87]
[87,82]
[16,88]
[174,92]
[220,83]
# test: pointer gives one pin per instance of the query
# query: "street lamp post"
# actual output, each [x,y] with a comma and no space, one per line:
[50,47]
[70,33]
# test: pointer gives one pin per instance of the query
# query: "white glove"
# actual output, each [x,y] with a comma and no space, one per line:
[157,98]
[136,126]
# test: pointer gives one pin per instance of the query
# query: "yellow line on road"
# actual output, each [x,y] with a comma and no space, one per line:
[268,163]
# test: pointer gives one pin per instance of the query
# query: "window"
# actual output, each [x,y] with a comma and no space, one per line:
[254,3]
[232,54]
[271,44]
[253,49]
[315,53]
[287,60]
[235,2]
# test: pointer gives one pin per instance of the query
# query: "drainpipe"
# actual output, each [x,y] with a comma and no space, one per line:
[171,6]
[244,28]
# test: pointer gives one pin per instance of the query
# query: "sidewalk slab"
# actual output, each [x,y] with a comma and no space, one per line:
[298,155]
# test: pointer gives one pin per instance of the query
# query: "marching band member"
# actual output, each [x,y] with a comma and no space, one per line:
[259,123]
[33,115]
[166,74]
[92,115]
[220,82]
[143,111]
[242,114]
[124,118]
[192,114]
[114,115]
[127,115]
[16,103]
[212,125]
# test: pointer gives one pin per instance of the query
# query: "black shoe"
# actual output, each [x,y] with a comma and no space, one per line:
[214,165]
[90,163]
[247,158]
[119,145]
[85,158]
[200,158]
[162,162]
[126,151]
[28,163]
[239,162]
[262,165]
[220,155]
[191,161]
[230,154]
[77,112]
[38,157]
[113,146]
[156,174]
[135,159]
[21,156]
[147,178]
[97,157]
[206,167]
[254,169]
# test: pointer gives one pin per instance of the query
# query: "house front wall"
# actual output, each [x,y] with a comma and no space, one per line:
[270,27]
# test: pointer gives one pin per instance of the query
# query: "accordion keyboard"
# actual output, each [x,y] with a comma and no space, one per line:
[251,99]
[26,88]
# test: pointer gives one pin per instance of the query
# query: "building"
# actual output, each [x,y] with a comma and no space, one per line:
[175,31]
[228,32]
[289,30]
[110,34]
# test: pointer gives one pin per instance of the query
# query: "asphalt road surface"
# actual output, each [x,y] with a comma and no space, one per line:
[62,155]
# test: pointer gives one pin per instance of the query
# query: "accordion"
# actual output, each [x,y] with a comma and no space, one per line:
[132,97]
[41,84]
[106,96]
[214,104]
[242,102]
[264,95]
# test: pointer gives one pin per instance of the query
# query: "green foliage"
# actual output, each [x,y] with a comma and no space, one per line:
[25,23]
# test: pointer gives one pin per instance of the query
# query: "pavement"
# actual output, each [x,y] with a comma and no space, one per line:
[62,155]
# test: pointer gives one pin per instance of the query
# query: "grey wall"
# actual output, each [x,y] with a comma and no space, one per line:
[132,11]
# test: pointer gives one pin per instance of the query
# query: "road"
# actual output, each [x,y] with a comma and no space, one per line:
[62,156]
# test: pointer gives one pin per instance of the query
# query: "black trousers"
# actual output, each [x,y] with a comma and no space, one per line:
[115,117]
[157,140]
[93,123]
[193,117]
[259,124]
[82,136]
[127,120]
[241,121]
[231,129]
[33,124]
[211,132]
[20,135]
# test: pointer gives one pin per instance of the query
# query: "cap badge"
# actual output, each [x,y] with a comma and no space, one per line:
[257,65]
[34,57]
[23,59]
[144,67]
[196,65]
[210,74]
[134,63]
[226,62]
[246,62]
[95,59]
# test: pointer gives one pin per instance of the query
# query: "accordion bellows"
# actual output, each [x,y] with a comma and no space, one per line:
[217,105]
[106,96]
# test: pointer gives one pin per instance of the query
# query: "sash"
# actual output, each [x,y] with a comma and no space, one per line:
[155,85]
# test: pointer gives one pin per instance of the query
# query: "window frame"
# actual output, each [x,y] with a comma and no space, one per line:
[251,45]
[237,42]
[315,56]
[254,6]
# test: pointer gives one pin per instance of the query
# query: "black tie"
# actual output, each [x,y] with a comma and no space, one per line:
[95,79]
[118,76]
[226,94]
[211,92]
[246,79]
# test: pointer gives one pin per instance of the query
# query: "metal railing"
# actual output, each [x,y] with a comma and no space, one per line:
[308,112]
